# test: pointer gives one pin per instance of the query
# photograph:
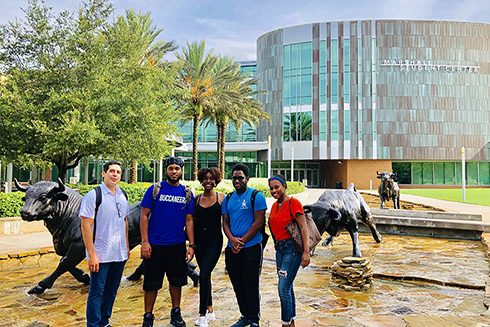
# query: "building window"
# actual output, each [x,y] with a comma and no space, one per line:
[297,126]
[297,75]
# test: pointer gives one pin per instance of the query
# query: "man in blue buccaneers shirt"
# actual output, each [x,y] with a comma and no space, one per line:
[163,243]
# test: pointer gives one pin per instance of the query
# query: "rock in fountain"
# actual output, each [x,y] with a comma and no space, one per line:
[352,274]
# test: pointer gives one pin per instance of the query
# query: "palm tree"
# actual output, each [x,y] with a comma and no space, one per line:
[197,77]
[233,101]
[140,35]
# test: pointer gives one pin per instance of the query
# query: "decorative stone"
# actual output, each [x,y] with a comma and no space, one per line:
[352,274]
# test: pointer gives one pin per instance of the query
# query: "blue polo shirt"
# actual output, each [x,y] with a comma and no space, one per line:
[167,219]
[239,209]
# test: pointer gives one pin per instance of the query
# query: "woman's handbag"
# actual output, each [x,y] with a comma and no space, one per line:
[295,232]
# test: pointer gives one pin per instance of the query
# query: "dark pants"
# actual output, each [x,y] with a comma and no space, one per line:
[244,271]
[207,256]
[102,293]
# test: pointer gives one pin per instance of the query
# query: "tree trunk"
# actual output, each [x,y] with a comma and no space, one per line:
[221,148]
[62,165]
[195,135]
[133,172]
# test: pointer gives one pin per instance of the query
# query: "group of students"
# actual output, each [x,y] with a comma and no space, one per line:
[167,216]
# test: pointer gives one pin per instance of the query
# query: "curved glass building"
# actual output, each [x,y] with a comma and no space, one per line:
[351,97]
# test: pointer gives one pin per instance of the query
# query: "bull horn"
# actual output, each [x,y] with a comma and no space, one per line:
[60,188]
[306,208]
[377,173]
[20,187]
[337,213]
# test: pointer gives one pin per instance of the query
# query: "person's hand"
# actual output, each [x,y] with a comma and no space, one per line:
[189,255]
[236,244]
[305,259]
[146,250]
[93,263]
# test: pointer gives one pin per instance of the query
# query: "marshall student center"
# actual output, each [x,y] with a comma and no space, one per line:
[349,98]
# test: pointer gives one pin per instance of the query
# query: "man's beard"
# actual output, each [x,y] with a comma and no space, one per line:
[172,181]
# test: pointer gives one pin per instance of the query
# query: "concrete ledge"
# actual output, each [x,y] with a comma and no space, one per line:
[15,226]
[27,259]
[426,214]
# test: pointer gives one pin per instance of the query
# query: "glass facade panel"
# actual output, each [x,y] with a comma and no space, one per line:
[484,168]
[306,126]
[458,173]
[323,125]
[449,173]
[335,125]
[402,170]
[427,173]
[439,173]
[417,173]
[472,173]
[334,76]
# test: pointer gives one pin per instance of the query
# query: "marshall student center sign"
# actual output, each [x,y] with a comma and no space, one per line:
[427,65]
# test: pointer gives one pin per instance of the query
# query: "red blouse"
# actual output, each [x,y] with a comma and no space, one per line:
[279,219]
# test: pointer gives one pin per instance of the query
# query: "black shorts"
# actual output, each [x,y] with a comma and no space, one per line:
[169,259]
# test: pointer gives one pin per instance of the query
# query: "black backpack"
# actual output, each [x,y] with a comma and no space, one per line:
[265,236]
[98,201]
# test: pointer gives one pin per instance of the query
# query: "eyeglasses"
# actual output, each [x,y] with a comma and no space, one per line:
[238,178]
[119,210]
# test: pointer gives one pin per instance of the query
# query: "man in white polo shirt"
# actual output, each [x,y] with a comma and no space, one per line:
[107,246]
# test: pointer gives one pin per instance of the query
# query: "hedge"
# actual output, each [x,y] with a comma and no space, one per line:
[11,203]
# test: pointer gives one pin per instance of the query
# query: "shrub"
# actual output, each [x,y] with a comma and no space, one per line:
[10,204]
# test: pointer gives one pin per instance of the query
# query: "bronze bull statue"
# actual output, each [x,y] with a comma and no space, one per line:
[58,206]
[337,210]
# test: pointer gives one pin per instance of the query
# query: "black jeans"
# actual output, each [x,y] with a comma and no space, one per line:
[244,271]
[207,256]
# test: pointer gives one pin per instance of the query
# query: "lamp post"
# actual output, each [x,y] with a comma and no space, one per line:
[292,164]
[269,157]
[463,173]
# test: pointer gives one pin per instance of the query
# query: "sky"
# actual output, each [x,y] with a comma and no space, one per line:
[232,27]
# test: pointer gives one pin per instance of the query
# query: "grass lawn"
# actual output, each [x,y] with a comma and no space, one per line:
[473,195]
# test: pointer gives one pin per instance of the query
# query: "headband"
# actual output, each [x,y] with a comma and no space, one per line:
[174,161]
[277,179]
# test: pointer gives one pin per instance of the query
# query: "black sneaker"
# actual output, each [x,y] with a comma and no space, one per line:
[242,322]
[148,319]
[176,318]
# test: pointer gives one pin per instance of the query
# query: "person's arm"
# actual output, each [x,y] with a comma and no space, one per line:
[145,245]
[259,219]
[305,259]
[88,240]
[236,243]
[189,229]
[127,236]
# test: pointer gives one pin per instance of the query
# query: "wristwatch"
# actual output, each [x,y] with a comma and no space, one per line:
[192,246]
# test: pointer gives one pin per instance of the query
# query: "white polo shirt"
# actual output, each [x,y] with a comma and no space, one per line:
[110,237]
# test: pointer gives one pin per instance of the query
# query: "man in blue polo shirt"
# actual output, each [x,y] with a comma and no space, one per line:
[163,241]
[243,255]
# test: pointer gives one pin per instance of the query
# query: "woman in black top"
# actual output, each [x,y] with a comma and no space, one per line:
[208,238]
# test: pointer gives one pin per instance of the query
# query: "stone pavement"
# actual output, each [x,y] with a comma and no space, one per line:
[65,303]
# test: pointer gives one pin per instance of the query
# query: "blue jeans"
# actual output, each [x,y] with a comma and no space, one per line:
[288,260]
[102,293]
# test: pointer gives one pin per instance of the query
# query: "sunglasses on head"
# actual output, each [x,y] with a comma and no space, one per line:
[239,178]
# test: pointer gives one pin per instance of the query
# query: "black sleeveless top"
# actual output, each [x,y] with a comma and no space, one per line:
[207,224]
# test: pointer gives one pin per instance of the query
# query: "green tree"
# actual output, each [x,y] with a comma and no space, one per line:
[234,101]
[197,78]
[80,85]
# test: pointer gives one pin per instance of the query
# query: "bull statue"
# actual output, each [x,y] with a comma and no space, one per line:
[58,206]
[388,189]
[337,210]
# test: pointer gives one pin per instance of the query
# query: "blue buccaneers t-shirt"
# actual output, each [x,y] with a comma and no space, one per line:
[167,219]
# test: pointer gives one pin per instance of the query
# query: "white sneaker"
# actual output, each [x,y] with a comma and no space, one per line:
[202,321]
[210,317]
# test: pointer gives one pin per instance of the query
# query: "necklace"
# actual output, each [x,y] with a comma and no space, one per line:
[239,198]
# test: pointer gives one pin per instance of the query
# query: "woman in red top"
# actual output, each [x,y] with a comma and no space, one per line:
[288,259]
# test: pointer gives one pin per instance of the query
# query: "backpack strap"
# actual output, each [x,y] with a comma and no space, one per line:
[188,195]
[252,198]
[156,189]
[98,201]
[228,197]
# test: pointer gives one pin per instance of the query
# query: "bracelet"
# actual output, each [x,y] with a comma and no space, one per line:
[144,243]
